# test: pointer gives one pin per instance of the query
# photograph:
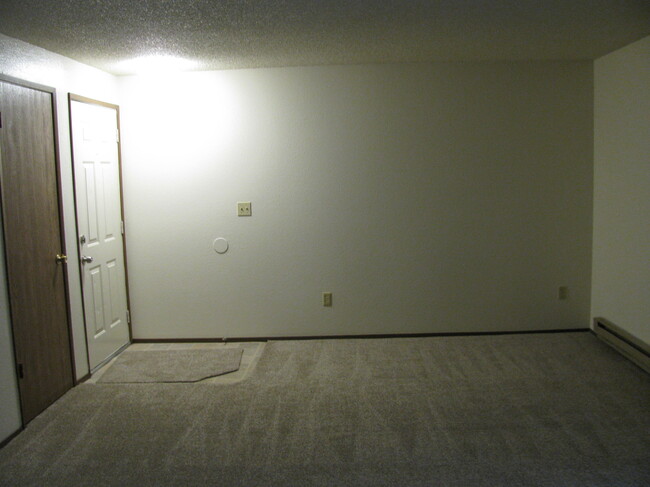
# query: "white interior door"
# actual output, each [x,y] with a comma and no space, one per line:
[99,218]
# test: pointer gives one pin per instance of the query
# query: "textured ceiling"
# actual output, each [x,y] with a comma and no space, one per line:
[226,34]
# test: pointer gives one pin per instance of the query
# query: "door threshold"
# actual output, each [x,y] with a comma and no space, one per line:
[110,357]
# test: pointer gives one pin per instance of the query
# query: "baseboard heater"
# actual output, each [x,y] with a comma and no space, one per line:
[626,344]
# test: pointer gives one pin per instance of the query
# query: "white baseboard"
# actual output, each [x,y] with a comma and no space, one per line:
[626,344]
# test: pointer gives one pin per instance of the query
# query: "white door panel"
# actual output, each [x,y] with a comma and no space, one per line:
[97,189]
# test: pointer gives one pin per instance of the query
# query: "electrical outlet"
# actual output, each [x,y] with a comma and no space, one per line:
[244,208]
[563,293]
[327,299]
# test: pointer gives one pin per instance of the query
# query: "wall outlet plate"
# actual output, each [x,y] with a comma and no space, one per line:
[327,299]
[244,208]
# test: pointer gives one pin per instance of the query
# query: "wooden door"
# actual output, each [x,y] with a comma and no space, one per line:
[32,232]
[95,149]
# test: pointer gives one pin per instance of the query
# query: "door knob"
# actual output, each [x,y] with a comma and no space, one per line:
[86,259]
[61,258]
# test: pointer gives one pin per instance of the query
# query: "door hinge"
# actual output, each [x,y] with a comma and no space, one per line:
[128,316]
[122,226]
[20,371]
[0,120]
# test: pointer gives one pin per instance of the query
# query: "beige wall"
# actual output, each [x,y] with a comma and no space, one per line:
[621,256]
[29,63]
[427,198]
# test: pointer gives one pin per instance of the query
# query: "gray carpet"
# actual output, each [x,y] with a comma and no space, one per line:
[513,410]
[172,365]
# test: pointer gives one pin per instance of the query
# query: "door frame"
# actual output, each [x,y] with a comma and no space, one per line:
[83,99]
[59,191]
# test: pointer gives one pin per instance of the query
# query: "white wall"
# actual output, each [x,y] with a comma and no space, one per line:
[29,63]
[427,198]
[10,418]
[621,255]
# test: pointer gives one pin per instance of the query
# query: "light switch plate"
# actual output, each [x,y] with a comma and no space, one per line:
[244,208]
[327,299]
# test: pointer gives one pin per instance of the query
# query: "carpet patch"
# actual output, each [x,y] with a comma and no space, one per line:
[172,365]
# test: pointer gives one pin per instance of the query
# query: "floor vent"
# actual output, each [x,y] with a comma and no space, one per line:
[628,345]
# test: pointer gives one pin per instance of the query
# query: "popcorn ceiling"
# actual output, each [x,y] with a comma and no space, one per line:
[232,34]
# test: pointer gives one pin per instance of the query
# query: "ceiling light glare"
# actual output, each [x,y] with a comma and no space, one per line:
[156,64]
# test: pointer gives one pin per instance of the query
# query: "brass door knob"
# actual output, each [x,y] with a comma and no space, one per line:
[61,258]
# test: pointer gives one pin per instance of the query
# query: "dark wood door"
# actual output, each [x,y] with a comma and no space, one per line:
[32,231]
